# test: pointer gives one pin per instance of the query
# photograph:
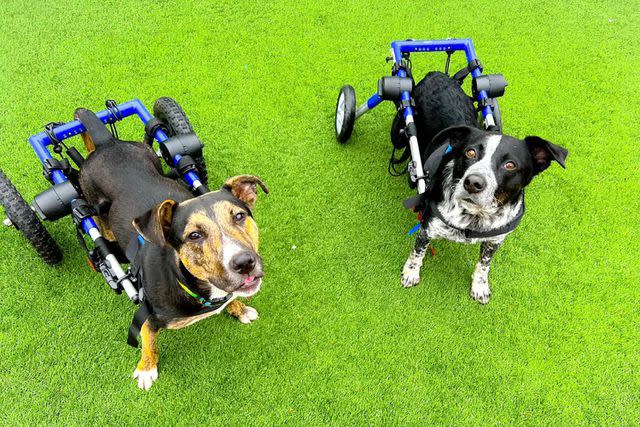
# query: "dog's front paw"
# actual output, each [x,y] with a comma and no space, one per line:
[243,313]
[410,277]
[480,291]
[145,377]
[248,315]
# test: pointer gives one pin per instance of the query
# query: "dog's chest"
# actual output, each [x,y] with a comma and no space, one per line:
[183,322]
[458,217]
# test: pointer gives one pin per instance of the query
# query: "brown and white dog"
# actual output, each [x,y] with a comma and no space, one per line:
[210,241]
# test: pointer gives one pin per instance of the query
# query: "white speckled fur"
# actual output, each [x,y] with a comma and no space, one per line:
[486,215]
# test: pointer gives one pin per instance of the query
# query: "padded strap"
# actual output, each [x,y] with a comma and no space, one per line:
[431,167]
[141,316]
[463,73]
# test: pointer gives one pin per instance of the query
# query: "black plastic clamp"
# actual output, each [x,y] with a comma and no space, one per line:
[113,108]
[182,145]
[390,88]
[115,116]
[154,125]
[52,164]
[493,84]
[80,210]
[403,64]
[186,164]
[48,129]
[402,104]
[151,127]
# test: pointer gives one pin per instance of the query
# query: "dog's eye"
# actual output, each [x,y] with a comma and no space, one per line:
[195,236]
[510,165]
[470,153]
[239,217]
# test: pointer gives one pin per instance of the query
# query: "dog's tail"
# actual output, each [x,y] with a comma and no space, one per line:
[96,134]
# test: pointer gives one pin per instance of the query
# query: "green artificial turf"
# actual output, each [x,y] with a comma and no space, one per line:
[339,342]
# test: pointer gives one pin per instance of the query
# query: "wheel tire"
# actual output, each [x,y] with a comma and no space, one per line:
[345,113]
[25,220]
[171,114]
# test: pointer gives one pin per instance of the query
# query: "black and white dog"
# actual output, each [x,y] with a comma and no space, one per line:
[477,191]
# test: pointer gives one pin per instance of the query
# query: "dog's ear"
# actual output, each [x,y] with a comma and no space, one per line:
[543,152]
[244,188]
[453,135]
[154,225]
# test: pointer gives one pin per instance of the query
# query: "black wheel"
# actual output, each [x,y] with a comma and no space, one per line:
[345,113]
[169,112]
[25,220]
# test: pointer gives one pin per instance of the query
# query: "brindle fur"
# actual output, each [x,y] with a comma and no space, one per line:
[127,177]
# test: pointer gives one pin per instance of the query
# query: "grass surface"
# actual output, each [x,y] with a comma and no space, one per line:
[339,342]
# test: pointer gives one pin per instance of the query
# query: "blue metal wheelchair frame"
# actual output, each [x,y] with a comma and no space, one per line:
[404,47]
[41,141]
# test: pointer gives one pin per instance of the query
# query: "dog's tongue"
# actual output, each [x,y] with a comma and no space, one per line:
[249,280]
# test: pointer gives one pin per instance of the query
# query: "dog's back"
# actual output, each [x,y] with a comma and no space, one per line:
[125,175]
[440,103]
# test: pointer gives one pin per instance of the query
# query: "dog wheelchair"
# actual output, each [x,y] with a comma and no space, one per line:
[178,146]
[398,88]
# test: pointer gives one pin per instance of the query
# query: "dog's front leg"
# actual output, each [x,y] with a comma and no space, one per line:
[480,290]
[242,312]
[147,370]
[411,270]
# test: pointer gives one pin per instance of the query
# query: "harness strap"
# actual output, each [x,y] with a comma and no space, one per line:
[463,73]
[141,316]
[134,249]
[431,166]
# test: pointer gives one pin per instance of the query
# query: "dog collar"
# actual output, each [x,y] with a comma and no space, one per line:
[185,276]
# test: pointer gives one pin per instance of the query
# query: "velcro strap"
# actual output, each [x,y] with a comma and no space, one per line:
[139,318]
[463,73]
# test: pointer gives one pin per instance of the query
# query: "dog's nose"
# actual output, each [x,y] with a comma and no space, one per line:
[243,263]
[474,183]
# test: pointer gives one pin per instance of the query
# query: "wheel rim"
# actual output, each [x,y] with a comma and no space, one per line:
[340,113]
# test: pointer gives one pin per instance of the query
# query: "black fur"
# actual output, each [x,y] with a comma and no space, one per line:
[127,177]
[477,192]
[430,94]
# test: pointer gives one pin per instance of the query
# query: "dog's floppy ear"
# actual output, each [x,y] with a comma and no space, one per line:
[154,225]
[543,152]
[244,188]
[454,135]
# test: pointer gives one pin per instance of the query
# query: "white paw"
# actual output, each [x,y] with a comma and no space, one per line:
[249,314]
[145,378]
[480,291]
[410,277]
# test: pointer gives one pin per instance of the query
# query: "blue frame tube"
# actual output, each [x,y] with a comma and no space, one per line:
[40,141]
[411,46]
